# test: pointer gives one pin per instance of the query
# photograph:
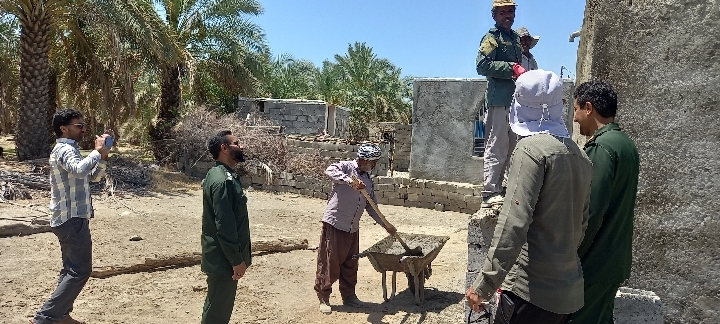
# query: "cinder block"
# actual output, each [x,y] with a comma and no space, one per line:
[427,199]
[474,205]
[472,199]
[481,229]
[427,191]
[476,257]
[466,191]
[468,211]
[456,196]
[413,197]
[637,306]
[416,191]
[433,185]
[402,190]
[385,180]
[383,201]
[391,194]
[449,187]
[439,193]
[452,207]
[396,202]
[385,187]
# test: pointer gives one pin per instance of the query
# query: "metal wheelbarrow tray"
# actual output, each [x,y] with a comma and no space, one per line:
[387,255]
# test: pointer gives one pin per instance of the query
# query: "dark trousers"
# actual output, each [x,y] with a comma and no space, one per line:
[599,304]
[220,299]
[335,262]
[76,249]
[526,313]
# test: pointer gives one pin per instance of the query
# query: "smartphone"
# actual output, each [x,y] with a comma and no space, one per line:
[109,141]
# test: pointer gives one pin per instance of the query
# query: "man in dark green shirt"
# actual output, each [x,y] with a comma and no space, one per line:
[606,249]
[498,60]
[225,229]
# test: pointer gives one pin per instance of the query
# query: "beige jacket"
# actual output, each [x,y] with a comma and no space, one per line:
[541,224]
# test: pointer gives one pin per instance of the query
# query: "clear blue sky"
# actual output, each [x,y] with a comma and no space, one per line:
[424,38]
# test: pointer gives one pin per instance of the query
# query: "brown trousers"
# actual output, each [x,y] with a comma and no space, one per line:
[335,262]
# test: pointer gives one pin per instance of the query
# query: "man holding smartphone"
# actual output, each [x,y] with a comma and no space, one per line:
[71,206]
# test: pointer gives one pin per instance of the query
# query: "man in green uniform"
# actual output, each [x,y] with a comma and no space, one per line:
[606,250]
[225,229]
[499,59]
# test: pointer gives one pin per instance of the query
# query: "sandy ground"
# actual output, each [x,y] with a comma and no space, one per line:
[276,289]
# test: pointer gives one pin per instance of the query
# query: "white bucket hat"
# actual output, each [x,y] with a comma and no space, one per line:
[537,105]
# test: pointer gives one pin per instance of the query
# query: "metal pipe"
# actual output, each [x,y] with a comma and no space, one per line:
[574,35]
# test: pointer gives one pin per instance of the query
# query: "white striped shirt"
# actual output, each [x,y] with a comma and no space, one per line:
[70,177]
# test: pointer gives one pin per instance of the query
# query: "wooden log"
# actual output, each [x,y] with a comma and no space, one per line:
[191,259]
[21,229]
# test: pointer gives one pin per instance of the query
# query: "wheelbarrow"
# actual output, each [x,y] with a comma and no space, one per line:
[388,255]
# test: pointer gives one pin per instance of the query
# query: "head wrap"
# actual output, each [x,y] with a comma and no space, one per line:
[369,151]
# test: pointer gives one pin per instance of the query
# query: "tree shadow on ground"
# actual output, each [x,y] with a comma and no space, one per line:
[435,302]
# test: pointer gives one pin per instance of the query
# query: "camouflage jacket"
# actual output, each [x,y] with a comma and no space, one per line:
[498,50]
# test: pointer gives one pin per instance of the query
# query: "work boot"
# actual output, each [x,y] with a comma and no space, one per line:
[490,201]
[325,307]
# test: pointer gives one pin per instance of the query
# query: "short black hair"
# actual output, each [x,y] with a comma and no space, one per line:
[63,118]
[600,94]
[216,141]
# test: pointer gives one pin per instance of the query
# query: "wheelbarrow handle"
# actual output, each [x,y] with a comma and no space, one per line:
[382,217]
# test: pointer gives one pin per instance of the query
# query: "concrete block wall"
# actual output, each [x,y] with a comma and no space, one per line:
[342,121]
[429,194]
[401,134]
[298,117]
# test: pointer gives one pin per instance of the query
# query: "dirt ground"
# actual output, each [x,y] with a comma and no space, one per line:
[276,289]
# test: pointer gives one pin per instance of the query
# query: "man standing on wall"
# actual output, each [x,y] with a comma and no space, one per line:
[340,237]
[533,254]
[606,250]
[499,60]
[225,236]
[71,206]
[528,42]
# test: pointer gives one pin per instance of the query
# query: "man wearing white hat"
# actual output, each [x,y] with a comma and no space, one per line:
[533,254]
[498,59]
[528,42]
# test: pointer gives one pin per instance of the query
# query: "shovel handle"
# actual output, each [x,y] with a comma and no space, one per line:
[382,217]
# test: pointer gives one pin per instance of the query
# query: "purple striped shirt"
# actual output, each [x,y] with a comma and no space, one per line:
[346,204]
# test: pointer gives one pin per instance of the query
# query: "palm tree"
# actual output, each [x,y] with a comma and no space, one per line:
[293,78]
[372,88]
[9,63]
[220,49]
[69,31]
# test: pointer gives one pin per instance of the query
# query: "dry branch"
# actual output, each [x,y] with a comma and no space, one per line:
[190,259]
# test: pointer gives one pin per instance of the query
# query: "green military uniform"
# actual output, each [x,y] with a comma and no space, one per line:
[225,240]
[606,250]
[498,49]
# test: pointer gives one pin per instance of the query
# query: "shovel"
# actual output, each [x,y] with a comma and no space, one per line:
[417,251]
